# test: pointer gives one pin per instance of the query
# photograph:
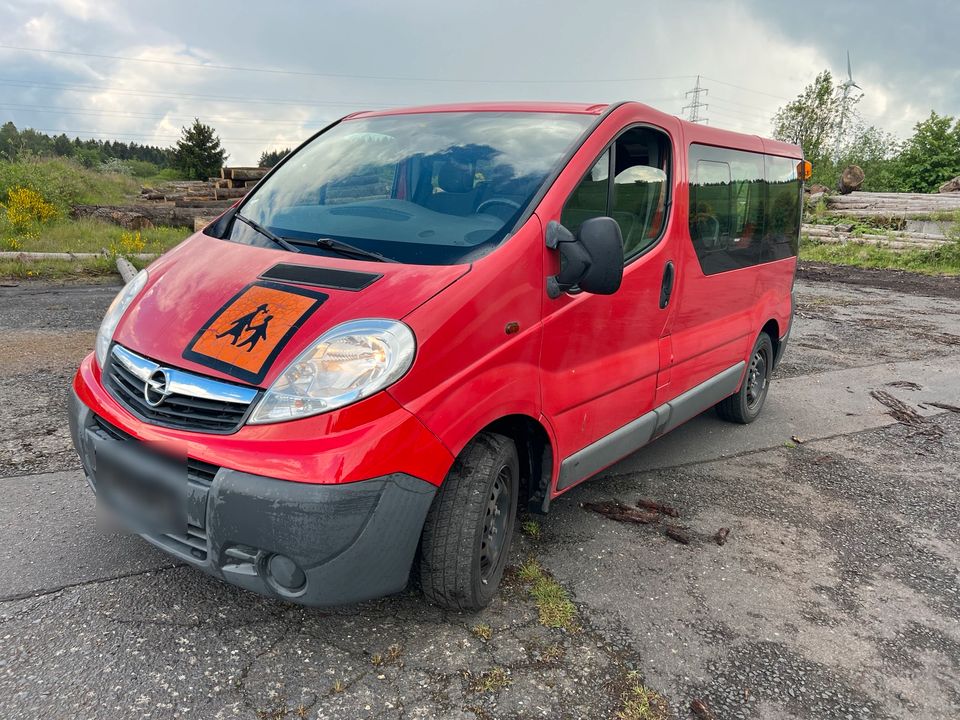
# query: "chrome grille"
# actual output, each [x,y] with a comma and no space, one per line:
[186,401]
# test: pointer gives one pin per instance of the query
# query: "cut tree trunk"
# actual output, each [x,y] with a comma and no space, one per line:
[157,214]
[193,203]
[229,193]
[850,179]
[951,185]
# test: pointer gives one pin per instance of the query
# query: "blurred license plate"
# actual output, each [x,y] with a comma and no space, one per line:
[139,489]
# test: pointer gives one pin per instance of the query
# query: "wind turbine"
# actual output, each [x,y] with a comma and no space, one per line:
[847,86]
[849,83]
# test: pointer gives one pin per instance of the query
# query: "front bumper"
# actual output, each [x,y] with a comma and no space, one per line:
[337,543]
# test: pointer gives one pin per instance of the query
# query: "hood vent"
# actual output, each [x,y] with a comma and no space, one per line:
[321,277]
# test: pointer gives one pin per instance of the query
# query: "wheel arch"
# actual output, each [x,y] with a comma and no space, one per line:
[772,329]
[537,457]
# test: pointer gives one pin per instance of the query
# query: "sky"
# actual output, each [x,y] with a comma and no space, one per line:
[266,75]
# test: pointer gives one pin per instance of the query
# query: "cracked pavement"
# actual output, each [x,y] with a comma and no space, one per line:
[836,595]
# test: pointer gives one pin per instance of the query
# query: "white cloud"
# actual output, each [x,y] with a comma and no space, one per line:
[41,32]
[497,50]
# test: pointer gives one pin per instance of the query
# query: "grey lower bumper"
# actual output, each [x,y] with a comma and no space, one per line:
[347,542]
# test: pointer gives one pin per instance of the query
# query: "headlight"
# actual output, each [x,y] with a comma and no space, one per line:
[116,310]
[347,363]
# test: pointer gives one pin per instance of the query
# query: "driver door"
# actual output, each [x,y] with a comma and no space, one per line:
[601,354]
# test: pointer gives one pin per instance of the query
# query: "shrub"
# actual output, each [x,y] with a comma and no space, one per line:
[26,207]
[130,243]
[135,168]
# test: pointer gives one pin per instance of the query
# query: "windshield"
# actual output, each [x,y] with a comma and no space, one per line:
[427,188]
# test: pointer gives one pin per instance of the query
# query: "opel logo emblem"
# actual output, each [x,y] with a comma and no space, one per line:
[155,389]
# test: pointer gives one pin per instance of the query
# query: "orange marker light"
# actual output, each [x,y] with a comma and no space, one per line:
[804,169]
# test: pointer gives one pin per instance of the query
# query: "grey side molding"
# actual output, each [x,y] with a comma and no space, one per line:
[637,433]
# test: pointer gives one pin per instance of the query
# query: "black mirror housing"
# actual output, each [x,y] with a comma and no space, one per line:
[592,261]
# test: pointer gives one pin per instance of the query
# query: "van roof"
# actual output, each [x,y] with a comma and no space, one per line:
[544,107]
[693,132]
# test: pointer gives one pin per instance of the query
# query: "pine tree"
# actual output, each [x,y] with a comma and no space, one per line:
[269,158]
[9,141]
[198,154]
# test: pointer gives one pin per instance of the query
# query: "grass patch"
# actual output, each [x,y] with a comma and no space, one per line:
[641,703]
[64,183]
[552,653]
[492,680]
[100,267]
[531,528]
[81,236]
[87,235]
[943,260]
[482,631]
[553,602]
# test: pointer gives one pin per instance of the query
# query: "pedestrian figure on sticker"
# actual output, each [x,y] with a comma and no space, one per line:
[259,333]
[243,323]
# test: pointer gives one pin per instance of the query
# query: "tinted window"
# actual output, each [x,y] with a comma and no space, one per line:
[744,207]
[590,198]
[427,188]
[782,233]
[640,188]
[637,197]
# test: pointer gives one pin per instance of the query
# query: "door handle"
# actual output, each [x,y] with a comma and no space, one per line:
[666,287]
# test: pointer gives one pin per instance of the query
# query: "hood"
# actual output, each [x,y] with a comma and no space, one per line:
[243,313]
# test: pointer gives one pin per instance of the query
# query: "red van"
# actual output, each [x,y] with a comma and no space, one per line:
[424,319]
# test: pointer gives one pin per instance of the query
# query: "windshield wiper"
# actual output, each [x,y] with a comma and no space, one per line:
[266,233]
[344,248]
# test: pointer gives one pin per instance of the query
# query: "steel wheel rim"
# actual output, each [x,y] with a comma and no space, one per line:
[756,379]
[494,536]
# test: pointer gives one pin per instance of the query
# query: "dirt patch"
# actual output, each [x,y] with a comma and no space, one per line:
[899,280]
[32,350]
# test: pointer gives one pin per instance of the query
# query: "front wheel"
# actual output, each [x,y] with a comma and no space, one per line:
[745,405]
[467,533]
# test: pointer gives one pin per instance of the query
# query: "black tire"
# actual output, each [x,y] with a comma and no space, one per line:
[745,405]
[467,533]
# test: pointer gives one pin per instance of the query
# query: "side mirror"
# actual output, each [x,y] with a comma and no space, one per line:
[592,260]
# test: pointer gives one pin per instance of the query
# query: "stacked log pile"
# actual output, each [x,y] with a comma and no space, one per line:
[179,203]
[894,240]
[891,205]
[238,178]
[897,221]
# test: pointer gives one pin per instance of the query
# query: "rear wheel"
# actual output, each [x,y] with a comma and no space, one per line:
[467,533]
[745,405]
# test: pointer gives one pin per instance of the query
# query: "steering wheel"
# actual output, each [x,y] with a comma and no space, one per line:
[494,201]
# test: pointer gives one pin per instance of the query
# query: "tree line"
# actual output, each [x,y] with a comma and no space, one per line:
[197,154]
[827,124]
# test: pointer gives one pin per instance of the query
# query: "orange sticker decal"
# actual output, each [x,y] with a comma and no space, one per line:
[245,336]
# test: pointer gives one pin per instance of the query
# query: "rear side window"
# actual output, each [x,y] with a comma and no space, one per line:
[629,184]
[744,207]
[782,231]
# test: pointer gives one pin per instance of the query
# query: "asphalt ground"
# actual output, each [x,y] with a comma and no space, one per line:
[836,594]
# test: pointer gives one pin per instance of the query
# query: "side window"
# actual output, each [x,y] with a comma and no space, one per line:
[711,201]
[589,200]
[638,196]
[782,233]
[641,160]
[727,201]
